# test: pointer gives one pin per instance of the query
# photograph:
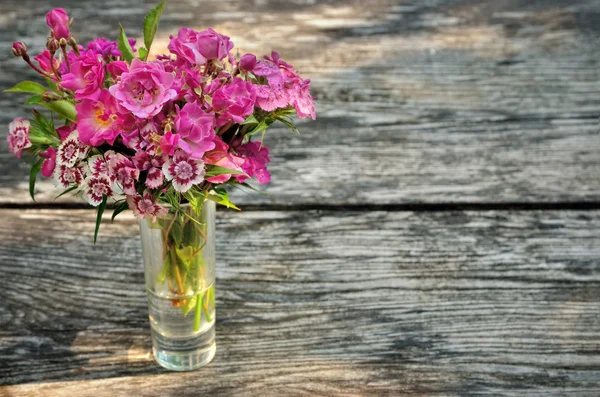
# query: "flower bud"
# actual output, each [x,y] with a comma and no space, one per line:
[50,96]
[53,45]
[62,42]
[19,49]
[248,62]
[58,21]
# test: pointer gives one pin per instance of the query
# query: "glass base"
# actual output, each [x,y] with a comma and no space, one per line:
[184,353]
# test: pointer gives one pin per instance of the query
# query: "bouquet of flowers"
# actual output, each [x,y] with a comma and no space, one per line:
[152,134]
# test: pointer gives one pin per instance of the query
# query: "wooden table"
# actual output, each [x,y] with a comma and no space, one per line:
[434,233]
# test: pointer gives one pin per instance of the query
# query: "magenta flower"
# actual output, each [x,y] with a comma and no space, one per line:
[183,171]
[169,143]
[235,101]
[71,150]
[269,99]
[197,47]
[144,89]
[58,21]
[86,77]
[213,45]
[145,207]
[196,130]
[248,62]
[98,120]
[18,136]
[19,49]
[300,98]
[107,49]
[186,48]
[66,175]
[66,130]
[49,163]
[222,157]
[45,60]
[95,187]
[256,157]
[117,68]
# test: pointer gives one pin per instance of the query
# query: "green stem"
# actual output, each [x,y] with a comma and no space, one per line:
[198,314]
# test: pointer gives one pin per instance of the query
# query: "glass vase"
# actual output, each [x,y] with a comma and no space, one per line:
[179,265]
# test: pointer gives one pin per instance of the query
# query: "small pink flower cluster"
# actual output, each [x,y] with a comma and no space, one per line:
[177,125]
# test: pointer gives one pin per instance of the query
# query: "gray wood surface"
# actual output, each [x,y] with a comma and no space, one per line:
[419,101]
[315,303]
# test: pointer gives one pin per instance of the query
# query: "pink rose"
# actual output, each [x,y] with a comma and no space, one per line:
[144,89]
[235,101]
[117,68]
[248,62]
[46,60]
[213,45]
[58,21]
[98,120]
[221,157]
[86,77]
[50,163]
[184,46]
[196,130]
[197,47]
[169,143]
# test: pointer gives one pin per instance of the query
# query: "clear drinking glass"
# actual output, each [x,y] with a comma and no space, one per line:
[179,267]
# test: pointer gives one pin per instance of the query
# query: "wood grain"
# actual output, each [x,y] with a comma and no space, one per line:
[437,101]
[315,303]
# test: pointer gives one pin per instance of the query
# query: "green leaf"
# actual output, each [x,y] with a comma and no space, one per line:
[214,170]
[124,47]
[143,54]
[221,197]
[28,86]
[33,100]
[69,190]
[53,86]
[64,108]
[250,120]
[35,170]
[290,125]
[101,208]
[118,209]
[151,24]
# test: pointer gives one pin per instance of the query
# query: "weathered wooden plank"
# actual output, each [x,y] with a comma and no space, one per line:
[437,101]
[315,303]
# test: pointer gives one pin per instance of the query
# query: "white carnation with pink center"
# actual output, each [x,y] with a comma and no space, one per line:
[18,136]
[71,150]
[183,171]
[145,207]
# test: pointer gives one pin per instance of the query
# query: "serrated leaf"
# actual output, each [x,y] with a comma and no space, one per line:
[101,208]
[33,100]
[35,170]
[118,209]
[28,86]
[214,170]
[62,107]
[151,24]
[124,46]
[143,54]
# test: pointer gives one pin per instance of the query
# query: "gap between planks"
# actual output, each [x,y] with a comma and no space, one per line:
[363,207]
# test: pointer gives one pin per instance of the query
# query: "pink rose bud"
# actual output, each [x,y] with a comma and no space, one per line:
[58,21]
[19,49]
[248,62]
